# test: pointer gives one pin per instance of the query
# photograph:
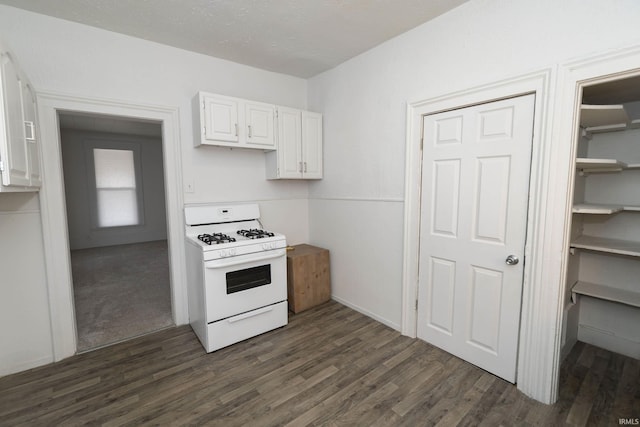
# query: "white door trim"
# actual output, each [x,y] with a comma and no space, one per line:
[573,77]
[54,217]
[541,315]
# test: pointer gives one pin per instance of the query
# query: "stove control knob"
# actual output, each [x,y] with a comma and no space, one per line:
[265,246]
[223,253]
[232,251]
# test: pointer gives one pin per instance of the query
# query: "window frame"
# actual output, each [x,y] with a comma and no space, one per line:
[105,144]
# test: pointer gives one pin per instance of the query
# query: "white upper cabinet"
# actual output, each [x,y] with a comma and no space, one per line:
[311,145]
[220,119]
[233,122]
[299,146]
[32,138]
[15,164]
[19,149]
[289,155]
[259,119]
[291,138]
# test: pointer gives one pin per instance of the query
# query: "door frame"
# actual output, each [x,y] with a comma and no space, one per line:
[54,216]
[574,76]
[538,348]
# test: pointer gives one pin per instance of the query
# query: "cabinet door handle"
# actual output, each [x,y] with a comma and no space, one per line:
[236,129]
[249,131]
[30,131]
[300,166]
[305,166]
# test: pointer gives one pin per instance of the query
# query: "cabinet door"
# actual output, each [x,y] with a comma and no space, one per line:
[260,125]
[221,119]
[31,134]
[14,153]
[289,140]
[311,145]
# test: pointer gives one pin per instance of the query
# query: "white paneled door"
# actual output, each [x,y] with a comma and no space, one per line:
[475,188]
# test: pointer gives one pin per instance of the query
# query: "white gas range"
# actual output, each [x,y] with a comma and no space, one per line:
[237,274]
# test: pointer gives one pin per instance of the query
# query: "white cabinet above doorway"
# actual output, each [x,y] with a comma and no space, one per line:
[19,149]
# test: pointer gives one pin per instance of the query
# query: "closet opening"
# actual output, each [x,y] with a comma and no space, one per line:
[602,293]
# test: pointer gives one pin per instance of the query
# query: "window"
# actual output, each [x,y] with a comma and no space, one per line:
[116,189]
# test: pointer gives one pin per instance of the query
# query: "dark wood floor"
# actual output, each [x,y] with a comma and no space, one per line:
[329,366]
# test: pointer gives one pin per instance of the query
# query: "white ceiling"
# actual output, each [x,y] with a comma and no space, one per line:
[296,37]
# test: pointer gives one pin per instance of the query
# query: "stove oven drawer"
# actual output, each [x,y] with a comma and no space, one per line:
[246,325]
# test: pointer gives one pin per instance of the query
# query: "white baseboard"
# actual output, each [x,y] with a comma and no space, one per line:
[24,365]
[608,340]
[570,322]
[390,324]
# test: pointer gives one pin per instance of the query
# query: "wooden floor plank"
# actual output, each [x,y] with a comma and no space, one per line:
[583,403]
[627,398]
[462,406]
[329,366]
[485,404]
[601,410]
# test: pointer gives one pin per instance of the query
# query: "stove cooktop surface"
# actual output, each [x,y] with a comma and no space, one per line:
[222,238]
[229,230]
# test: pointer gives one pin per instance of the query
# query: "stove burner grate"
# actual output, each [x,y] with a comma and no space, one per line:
[215,238]
[255,233]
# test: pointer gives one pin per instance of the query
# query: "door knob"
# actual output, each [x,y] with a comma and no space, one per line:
[512,260]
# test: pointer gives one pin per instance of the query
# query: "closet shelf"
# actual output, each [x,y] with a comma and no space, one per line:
[602,208]
[606,293]
[600,165]
[588,208]
[603,118]
[601,244]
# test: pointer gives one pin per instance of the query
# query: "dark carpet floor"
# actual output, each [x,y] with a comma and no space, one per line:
[120,292]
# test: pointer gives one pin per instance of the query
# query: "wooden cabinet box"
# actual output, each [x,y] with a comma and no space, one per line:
[308,277]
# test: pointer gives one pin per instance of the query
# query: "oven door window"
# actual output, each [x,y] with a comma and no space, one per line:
[248,278]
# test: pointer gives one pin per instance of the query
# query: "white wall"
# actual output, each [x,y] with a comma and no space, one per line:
[25,331]
[364,105]
[64,57]
[82,232]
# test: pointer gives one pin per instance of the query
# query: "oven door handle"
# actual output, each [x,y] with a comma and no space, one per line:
[242,259]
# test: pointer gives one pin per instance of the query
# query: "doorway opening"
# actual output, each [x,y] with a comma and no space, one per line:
[602,298]
[116,218]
